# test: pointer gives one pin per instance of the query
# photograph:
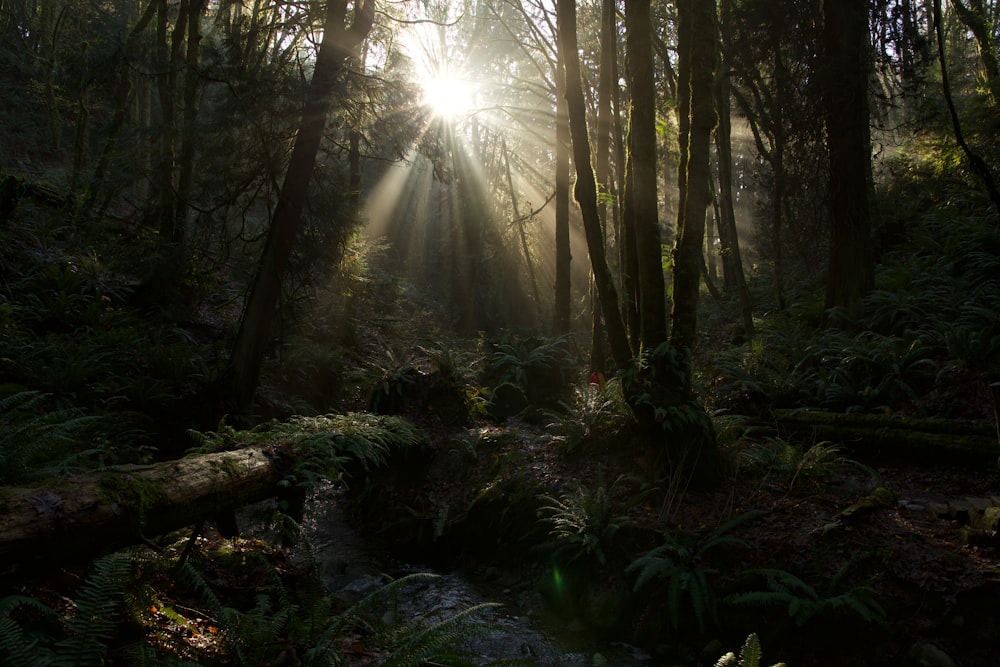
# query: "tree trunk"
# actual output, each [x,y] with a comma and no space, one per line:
[973,16]
[602,161]
[522,235]
[586,187]
[99,512]
[848,61]
[642,175]
[563,282]
[732,259]
[243,372]
[979,166]
[696,181]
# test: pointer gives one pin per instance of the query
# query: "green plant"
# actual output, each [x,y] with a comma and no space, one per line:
[390,378]
[38,440]
[322,445]
[777,461]
[751,655]
[541,367]
[80,636]
[682,563]
[585,522]
[289,617]
[803,603]
[597,413]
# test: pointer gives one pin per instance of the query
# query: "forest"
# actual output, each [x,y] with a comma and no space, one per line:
[500,332]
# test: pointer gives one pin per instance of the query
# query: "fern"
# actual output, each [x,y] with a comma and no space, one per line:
[751,655]
[15,647]
[323,445]
[106,598]
[36,440]
[803,603]
[99,605]
[584,523]
[417,645]
[682,562]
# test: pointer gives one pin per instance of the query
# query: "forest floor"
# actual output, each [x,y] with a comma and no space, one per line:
[902,531]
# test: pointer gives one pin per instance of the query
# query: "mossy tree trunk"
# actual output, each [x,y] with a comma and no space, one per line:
[83,516]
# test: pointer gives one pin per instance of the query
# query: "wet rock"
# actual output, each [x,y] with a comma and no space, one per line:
[928,655]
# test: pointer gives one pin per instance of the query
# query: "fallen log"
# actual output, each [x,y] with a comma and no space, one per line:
[877,435]
[97,512]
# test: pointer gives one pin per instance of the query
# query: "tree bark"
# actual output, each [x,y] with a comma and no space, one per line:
[563,281]
[602,161]
[848,61]
[98,512]
[642,174]
[695,180]
[586,187]
[732,259]
[243,373]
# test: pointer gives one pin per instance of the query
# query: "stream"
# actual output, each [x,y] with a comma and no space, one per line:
[353,568]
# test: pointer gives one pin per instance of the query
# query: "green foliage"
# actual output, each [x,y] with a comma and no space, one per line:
[584,523]
[776,588]
[38,440]
[598,414]
[777,461]
[107,598]
[324,445]
[682,565]
[661,386]
[277,621]
[391,377]
[751,655]
[541,367]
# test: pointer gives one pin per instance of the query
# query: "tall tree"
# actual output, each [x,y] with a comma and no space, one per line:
[585,189]
[338,42]
[563,296]
[848,67]
[974,15]
[695,179]
[732,259]
[643,216]
[979,166]
[606,89]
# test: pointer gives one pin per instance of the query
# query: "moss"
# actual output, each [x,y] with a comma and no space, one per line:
[131,495]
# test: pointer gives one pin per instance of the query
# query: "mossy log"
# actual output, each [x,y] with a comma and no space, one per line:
[937,439]
[89,514]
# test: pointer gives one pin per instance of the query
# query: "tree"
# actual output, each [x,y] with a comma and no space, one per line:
[641,205]
[563,286]
[848,68]
[585,190]
[974,16]
[695,179]
[732,260]
[979,166]
[338,42]
[658,383]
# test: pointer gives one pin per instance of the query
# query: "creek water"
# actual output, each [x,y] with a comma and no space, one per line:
[518,629]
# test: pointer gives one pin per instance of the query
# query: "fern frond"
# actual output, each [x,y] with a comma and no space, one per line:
[15,648]
[418,646]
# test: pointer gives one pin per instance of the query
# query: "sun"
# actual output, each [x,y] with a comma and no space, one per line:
[448,95]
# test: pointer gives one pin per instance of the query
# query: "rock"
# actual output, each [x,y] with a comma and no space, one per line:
[928,655]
